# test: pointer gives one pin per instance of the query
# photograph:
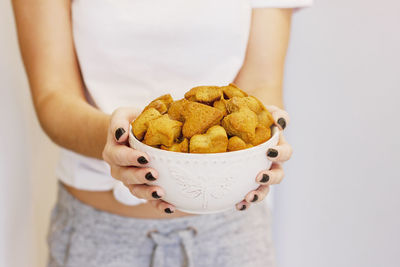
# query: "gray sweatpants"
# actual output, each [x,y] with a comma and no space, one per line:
[81,236]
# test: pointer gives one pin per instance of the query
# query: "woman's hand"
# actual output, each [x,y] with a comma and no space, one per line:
[278,154]
[128,165]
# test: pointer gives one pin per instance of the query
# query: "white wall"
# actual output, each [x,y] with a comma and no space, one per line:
[340,203]
[27,158]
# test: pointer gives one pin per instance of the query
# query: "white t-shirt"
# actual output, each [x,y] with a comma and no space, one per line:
[132,51]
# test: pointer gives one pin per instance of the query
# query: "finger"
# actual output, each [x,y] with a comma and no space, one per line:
[165,207]
[125,156]
[154,203]
[272,176]
[243,205]
[281,152]
[257,195]
[119,124]
[149,192]
[281,117]
[132,175]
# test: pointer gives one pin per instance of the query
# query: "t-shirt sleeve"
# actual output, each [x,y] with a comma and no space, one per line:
[280,3]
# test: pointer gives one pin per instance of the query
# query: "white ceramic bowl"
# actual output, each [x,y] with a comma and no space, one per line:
[207,183]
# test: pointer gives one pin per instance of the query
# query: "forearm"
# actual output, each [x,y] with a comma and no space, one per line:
[262,71]
[47,48]
[72,123]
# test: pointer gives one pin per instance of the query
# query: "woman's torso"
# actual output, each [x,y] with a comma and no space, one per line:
[132,51]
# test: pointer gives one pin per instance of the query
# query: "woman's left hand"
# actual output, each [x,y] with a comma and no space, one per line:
[277,154]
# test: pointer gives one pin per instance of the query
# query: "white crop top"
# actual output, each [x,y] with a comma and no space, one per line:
[132,51]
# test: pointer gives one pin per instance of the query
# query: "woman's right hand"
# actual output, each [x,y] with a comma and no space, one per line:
[128,165]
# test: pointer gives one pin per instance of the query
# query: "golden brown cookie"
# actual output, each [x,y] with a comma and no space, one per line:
[265,118]
[242,123]
[232,90]
[254,104]
[162,131]
[235,143]
[221,105]
[260,103]
[214,140]
[204,94]
[261,136]
[161,103]
[236,103]
[176,109]
[178,147]
[139,126]
[198,118]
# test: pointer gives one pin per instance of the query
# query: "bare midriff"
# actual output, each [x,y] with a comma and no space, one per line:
[105,201]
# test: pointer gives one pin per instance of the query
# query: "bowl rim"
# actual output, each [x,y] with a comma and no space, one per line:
[275,134]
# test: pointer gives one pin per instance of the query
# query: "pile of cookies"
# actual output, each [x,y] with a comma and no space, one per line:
[210,119]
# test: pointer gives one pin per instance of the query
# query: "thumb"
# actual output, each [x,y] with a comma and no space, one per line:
[120,121]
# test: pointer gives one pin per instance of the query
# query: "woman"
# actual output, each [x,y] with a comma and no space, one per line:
[85,59]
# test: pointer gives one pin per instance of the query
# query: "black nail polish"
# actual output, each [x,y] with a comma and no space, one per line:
[282,122]
[142,160]
[119,132]
[150,176]
[255,198]
[243,207]
[272,153]
[265,178]
[155,194]
[168,210]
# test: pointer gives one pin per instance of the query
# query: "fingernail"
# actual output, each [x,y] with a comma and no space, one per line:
[150,176]
[119,132]
[255,198]
[243,207]
[168,210]
[265,178]
[155,194]
[272,153]
[142,160]
[282,122]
